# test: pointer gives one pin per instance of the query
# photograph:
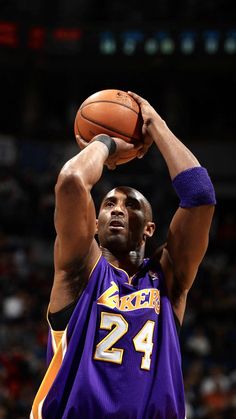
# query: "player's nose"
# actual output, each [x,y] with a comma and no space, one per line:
[117,210]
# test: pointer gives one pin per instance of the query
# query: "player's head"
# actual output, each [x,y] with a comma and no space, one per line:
[124,220]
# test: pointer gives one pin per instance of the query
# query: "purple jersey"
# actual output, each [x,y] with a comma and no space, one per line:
[119,357]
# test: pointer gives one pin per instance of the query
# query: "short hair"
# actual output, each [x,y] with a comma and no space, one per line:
[147,205]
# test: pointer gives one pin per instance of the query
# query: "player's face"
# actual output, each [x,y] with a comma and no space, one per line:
[122,220]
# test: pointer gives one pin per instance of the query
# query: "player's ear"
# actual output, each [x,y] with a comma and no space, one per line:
[149,229]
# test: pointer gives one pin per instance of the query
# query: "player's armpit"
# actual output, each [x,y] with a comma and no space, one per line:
[187,243]
[69,284]
[187,240]
[177,295]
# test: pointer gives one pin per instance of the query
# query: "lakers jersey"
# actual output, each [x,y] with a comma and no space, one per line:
[119,356]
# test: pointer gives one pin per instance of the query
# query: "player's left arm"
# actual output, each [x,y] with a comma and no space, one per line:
[187,242]
[188,233]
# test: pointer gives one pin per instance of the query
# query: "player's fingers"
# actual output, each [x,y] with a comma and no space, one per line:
[140,100]
[146,145]
[142,153]
[78,138]
[125,145]
[148,140]
[82,143]
[138,146]
[111,166]
[135,96]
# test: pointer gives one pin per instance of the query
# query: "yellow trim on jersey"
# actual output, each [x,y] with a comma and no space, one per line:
[120,269]
[49,377]
[94,266]
[59,345]
[57,336]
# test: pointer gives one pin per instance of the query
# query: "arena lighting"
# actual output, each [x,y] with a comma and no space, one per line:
[188,42]
[147,40]
[151,46]
[36,39]
[107,43]
[131,41]
[211,41]
[166,42]
[230,42]
[9,36]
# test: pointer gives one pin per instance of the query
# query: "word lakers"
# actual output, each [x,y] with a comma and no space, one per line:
[145,298]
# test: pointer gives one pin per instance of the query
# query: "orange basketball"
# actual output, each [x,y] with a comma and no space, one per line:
[112,112]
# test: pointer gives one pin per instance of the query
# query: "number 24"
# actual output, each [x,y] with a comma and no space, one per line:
[143,341]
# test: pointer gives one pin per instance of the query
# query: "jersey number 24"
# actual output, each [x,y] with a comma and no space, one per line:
[143,341]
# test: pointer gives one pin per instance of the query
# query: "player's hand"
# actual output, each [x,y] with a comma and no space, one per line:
[149,114]
[124,153]
[82,143]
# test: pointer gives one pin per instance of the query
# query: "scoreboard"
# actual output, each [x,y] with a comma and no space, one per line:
[113,40]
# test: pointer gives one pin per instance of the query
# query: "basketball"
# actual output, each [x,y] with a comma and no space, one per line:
[112,112]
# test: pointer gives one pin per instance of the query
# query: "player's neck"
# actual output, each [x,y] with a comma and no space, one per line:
[129,262]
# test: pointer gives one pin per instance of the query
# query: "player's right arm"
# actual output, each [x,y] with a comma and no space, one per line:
[76,250]
[188,234]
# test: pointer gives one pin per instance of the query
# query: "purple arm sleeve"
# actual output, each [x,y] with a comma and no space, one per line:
[194,188]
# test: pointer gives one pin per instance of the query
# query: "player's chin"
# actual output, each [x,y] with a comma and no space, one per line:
[115,241]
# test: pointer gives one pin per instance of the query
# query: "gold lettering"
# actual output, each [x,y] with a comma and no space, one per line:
[146,298]
[140,299]
[126,303]
[154,300]
[108,299]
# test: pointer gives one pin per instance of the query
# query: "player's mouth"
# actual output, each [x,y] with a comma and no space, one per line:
[116,225]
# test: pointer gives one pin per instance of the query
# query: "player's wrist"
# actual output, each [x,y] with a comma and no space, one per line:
[108,142]
[157,128]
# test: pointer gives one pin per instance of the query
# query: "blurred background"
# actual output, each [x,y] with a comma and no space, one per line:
[181,56]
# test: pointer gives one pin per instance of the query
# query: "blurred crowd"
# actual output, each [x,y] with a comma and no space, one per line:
[208,336]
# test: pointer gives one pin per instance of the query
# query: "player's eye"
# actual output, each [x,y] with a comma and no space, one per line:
[130,204]
[133,204]
[109,204]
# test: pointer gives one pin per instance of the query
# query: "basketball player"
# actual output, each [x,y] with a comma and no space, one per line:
[113,349]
